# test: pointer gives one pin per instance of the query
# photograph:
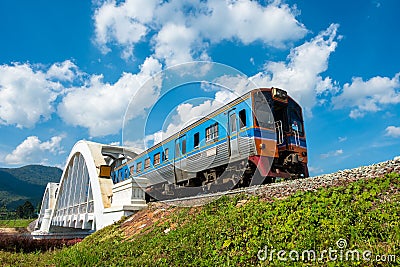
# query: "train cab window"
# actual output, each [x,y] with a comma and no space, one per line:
[196,140]
[147,163]
[139,167]
[297,126]
[156,158]
[212,132]
[242,118]
[263,114]
[296,118]
[165,154]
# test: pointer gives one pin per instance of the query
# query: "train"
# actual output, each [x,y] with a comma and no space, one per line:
[254,139]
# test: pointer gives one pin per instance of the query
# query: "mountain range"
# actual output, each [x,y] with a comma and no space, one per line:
[26,183]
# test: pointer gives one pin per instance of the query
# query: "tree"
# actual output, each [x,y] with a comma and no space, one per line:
[25,211]
[3,212]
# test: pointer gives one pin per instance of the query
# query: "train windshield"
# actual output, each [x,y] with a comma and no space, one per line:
[295,117]
[262,111]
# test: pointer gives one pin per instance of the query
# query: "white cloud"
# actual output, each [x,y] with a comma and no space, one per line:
[368,96]
[26,95]
[355,114]
[301,75]
[248,21]
[30,93]
[393,131]
[100,106]
[332,154]
[315,170]
[34,151]
[236,85]
[342,139]
[150,67]
[184,28]
[173,44]
[64,71]
[137,145]
[122,23]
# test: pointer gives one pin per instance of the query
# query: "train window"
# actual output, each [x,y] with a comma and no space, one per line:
[208,134]
[156,158]
[147,163]
[126,174]
[232,122]
[132,168]
[184,146]
[177,150]
[196,140]
[242,118]
[138,167]
[165,154]
[212,132]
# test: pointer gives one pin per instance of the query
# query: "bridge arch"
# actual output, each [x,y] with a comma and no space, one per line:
[83,200]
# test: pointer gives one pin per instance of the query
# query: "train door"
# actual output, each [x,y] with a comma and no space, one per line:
[233,136]
[180,159]
[281,122]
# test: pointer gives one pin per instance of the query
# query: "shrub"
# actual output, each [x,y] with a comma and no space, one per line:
[26,244]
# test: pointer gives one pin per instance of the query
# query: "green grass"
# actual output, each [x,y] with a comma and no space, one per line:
[26,259]
[364,213]
[19,223]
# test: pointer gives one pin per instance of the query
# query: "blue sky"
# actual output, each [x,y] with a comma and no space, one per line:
[69,68]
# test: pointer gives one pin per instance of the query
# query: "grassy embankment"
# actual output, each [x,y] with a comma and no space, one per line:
[231,232]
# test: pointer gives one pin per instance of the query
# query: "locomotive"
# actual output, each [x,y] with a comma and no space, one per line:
[253,139]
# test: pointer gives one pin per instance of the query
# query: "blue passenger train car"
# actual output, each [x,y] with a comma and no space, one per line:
[253,139]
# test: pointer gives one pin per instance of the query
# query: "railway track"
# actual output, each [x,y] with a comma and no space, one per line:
[214,195]
[253,190]
[289,187]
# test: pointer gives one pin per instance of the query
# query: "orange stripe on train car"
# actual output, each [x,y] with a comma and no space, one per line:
[266,147]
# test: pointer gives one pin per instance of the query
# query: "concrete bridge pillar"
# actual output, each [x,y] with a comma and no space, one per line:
[45,225]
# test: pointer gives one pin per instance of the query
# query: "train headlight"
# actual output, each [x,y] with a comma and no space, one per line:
[279,94]
[262,146]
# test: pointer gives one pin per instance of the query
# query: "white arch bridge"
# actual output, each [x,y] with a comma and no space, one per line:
[85,199]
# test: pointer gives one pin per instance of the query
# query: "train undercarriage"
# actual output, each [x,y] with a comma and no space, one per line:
[255,170]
